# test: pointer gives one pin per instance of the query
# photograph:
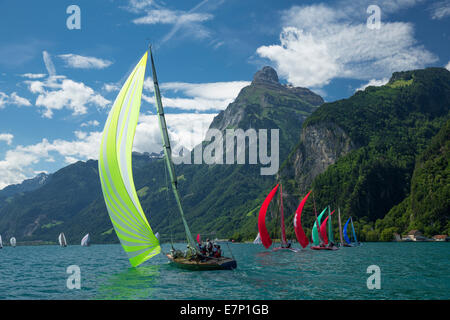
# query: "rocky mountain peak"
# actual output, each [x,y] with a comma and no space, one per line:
[266,75]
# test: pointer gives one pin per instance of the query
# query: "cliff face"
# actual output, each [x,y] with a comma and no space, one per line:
[320,146]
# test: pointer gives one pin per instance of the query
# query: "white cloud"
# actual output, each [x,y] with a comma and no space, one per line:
[13,99]
[7,137]
[197,96]
[185,129]
[448,66]
[319,43]
[56,93]
[49,63]
[374,82]
[19,163]
[166,16]
[440,10]
[93,123]
[109,87]
[81,62]
[33,75]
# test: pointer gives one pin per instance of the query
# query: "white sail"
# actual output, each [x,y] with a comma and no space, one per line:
[13,241]
[257,239]
[157,235]
[1,242]
[62,240]
[85,241]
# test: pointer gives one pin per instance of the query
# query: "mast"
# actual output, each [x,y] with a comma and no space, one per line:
[283,231]
[340,226]
[168,152]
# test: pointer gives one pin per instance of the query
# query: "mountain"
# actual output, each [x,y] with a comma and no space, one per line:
[360,153]
[27,185]
[427,207]
[217,199]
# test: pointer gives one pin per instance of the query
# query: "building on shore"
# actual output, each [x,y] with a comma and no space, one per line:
[441,237]
[416,235]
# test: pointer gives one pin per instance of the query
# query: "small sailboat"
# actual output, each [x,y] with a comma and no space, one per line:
[62,240]
[322,243]
[157,236]
[348,242]
[1,242]
[257,239]
[12,241]
[299,232]
[85,242]
[264,234]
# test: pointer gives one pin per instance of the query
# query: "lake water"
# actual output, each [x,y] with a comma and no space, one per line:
[408,271]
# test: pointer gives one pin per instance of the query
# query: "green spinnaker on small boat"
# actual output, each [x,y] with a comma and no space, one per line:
[315,233]
[116,176]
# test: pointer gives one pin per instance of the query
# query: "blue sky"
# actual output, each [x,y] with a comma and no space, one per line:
[57,85]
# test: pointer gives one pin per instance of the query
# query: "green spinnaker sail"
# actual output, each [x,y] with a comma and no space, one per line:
[330,227]
[116,176]
[315,233]
[168,154]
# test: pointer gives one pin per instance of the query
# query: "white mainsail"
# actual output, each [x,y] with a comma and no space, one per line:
[12,241]
[62,240]
[257,239]
[1,242]
[85,241]
[157,235]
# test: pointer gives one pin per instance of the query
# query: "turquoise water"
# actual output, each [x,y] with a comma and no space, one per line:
[408,271]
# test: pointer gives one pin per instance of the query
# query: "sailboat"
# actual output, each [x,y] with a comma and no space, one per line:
[257,239]
[192,258]
[264,234]
[13,242]
[85,241]
[348,242]
[116,177]
[1,242]
[299,232]
[324,244]
[62,240]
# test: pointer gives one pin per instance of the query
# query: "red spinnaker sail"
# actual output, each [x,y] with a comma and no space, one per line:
[299,233]
[264,234]
[283,230]
[323,228]
[198,239]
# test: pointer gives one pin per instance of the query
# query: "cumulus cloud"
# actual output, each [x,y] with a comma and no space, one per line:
[93,123]
[13,99]
[7,137]
[196,96]
[375,83]
[109,87]
[82,62]
[58,92]
[440,10]
[186,129]
[319,43]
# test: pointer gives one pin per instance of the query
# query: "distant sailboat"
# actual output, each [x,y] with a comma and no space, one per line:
[257,239]
[299,232]
[1,242]
[62,240]
[85,242]
[13,242]
[349,243]
[264,234]
[157,236]
[322,245]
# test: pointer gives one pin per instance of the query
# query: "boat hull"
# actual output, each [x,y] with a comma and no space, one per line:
[222,263]
[324,248]
[284,249]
